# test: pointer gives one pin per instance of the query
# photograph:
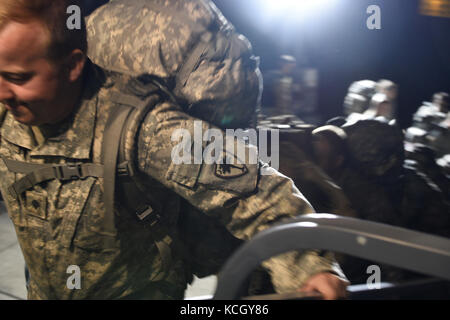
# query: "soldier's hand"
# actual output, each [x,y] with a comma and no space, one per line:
[329,285]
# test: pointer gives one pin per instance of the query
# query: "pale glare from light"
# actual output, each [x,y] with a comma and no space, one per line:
[323,215]
[295,7]
[307,224]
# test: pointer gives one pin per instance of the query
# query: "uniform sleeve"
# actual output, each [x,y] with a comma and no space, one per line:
[241,197]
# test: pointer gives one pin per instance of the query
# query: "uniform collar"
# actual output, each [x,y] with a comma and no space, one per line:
[72,137]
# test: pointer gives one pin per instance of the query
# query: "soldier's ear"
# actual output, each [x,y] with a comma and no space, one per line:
[75,64]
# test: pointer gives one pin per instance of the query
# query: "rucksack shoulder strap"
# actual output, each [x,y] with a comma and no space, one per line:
[121,130]
[118,153]
[111,140]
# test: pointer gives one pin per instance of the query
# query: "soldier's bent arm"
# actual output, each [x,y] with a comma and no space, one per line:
[243,200]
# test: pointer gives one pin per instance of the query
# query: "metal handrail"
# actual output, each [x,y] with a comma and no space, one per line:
[399,247]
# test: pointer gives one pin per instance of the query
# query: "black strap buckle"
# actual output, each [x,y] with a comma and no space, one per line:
[69,172]
[125,169]
[148,215]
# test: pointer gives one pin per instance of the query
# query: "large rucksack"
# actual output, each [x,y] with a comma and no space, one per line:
[188,44]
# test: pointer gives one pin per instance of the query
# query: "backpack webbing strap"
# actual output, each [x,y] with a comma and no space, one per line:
[166,257]
[37,173]
[115,163]
[111,141]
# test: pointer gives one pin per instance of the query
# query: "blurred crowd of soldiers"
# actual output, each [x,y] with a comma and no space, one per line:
[364,165]
[291,89]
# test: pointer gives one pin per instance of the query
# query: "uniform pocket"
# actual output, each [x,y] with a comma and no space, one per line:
[89,229]
[71,204]
[13,205]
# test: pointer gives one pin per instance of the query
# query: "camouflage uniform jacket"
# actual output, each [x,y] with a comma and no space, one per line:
[58,223]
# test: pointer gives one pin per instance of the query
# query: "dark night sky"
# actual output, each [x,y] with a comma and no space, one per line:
[411,49]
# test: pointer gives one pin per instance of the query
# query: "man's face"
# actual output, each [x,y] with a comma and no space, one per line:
[32,87]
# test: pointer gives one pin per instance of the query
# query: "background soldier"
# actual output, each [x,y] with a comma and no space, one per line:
[382,186]
[358,96]
[282,88]
[427,141]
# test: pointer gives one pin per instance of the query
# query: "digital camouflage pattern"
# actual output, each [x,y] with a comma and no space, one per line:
[190,46]
[59,223]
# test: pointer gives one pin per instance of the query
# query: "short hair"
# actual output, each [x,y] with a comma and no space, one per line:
[53,16]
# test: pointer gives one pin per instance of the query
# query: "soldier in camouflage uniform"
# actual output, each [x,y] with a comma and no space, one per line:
[383,187]
[55,106]
[429,125]
[386,188]
[358,96]
[428,140]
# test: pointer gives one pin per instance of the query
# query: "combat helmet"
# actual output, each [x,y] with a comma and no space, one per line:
[358,96]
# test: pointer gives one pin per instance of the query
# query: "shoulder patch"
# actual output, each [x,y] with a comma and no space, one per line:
[230,171]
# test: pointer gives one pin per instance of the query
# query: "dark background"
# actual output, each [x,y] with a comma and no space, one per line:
[411,49]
